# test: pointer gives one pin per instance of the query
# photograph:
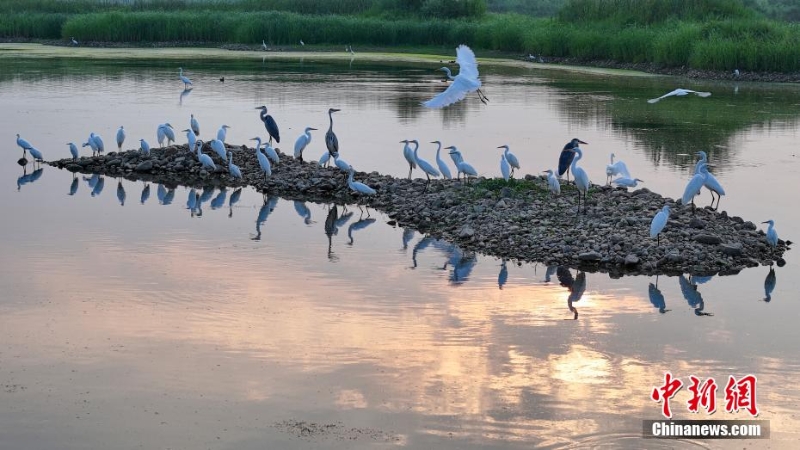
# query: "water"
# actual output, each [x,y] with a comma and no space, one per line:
[153,325]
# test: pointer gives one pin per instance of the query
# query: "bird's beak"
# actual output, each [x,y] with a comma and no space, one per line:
[765,222]
[313,129]
[583,142]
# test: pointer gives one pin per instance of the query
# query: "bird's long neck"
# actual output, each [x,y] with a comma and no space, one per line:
[578,155]
[263,114]
[258,144]
[330,116]
[449,74]
[350,177]
[438,149]
[230,158]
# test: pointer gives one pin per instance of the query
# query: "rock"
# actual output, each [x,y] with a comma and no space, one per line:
[734,249]
[749,225]
[631,260]
[590,256]
[697,223]
[466,232]
[144,166]
[708,239]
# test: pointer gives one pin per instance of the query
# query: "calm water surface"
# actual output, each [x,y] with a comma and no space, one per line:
[128,320]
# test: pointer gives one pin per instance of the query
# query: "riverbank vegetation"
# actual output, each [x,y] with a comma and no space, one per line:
[702,34]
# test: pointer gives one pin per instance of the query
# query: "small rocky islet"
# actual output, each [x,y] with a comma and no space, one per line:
[517,220]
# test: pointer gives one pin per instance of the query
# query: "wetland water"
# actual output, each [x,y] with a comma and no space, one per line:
[150,325]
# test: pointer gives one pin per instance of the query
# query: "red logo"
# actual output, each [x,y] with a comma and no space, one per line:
[705,395]
[741,395]
[664,393]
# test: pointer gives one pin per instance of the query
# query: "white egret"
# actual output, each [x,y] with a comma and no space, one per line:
[772,235]
[616,168]
[331,141]
[694,185]
[567,155]
[439,162]
[161,135]
[324,159]
[23,144]
[73,149]
[627,182]
[505,168]
[73,41]
[98,142]
[424,165]
[552,182]
[341,164]
[465,82]
[711,183]
[357,186]
[350,49]
[302,43]
[91,144]
[186,81]
[120,137]
[222,133]
[581,178]
[270,125]
[302,142]
[680,93]
[271,153]
[263,45]
[263,161]
[204,159]
[455,155]
[121,193]
[194,125]
[169,133]
[35,154]
[145,147]
[658,223]
[219,149]
[461,165]
[511,158]
[191,138]
[233,169]
[409,155]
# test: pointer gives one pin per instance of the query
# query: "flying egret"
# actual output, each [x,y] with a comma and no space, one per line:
[465,82]
[711,183]
[424,165]
[511,158]
[565,159]
[581,178]
[204,159]
[302,142]
[627,182]
[233,169]
[658,223]
[680,92]
[263,161]
[270,125]
[461,165]
[772,235]
[194,125]
[331,142]
[120,193]
[439,162]
[769,284]
[694,185]
[73,41]
[74,150]
[616,168]
[505,168]
[409,155]
[222,133]
[120,137]
[145,147]
[191,138]
[219,149]
[552,182]
[357,186]
[186,81]
[23,144]
[263,45]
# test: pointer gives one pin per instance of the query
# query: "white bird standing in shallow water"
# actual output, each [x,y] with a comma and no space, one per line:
[359,187]
[552,182]
[120,137]
[35,154]
[73,149]
[408,154]
[186,81]
[772,235]
[658,224]
[23,144]
[465,82]
[302,142]
[511,158]
[680,92]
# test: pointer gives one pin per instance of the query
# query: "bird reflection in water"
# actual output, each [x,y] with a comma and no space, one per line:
[98,186]
[463,263]
[692,296]
[502,277]
[169,196]
[769,284]
[27,178]
[263,213]
[548,274]
[576,286]
[183,95]
[120,193]
[303,211]
[331,229]
[408,234]
[360,224]
[145,193]
[422,244]
[91,181]
[237,194]
[161,193]
[219,201]
[73,187]
[657,298]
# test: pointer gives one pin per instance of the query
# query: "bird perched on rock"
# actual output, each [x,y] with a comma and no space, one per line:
[658,223]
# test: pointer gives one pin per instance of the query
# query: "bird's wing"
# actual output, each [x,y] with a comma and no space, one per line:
[468,65]
[668,94]
[564,161]
[702,94]
[456,92]
[623,169]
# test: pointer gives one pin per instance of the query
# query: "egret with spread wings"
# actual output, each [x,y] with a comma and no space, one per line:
[465,82]
[680,93]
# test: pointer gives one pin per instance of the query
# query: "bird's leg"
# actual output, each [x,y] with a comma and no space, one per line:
[658,243]
[484,98]
[410,168]
[301,157]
